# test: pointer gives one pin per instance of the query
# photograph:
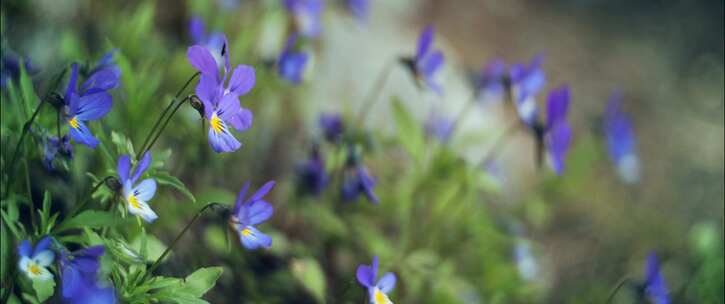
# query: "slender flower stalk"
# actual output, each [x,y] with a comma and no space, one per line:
[499,144]
[373,94]
[621,283]
[87,198]
[163,125]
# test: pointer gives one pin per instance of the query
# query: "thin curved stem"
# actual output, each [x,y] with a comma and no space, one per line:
[162,128]
[85,200]
[171,104]
[463,114]
[499,143]
[178,237]
[373,94]
[10,165]
[616,288]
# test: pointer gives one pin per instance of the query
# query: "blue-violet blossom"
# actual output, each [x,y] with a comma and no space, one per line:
[291,63]
[91,102]
[377,291]
[137,196]
[621,140]
[250,212]
[34,262]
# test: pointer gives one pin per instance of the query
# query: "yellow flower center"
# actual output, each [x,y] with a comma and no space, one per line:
[133,201]
[73,122]
[246,232]
[216,124]
[380,297]
[34,269]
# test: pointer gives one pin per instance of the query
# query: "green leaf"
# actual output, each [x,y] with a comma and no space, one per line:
[123,144]
[44,289]
[89,219]
[164,178]
[309,273]
[27,91]
[410,131]
[203,279]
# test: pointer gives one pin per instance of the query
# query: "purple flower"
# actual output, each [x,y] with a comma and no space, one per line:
[137,196]
[358,8]
[377,291]
[655,287]
[526,82]
[439,126]
[357,180]
[79,277]
[221,103]
[10,68]
[621,140]
[250,212]
[91,102]
[428,61]
[306,15]
[214,41]
[291,63]
[34,262]
[311,174]
[489,83]
[332,127]
[52,145]
[557,133]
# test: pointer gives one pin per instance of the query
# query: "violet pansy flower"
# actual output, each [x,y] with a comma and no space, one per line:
[357,180]
[34,261]
[428,61]
[249,213]
[490,83]
[377,291]
[557,133]
[212,41]
[306,15]
[655,287]
[291,63]
[52,146]
[91,102]
[439,126]
[526,82]
[221,102]
[311,174]
[138,195]
[332,127]
[79,277]
[10,68]
[621,140]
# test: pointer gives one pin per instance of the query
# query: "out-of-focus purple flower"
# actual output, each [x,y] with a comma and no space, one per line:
[306,15]
[557,133]
[489,83]
[377,291]
[250,212]
[428,61]
[357,180]
[655,288]
[52,146]
[621,140]
[359,9]
[34,262]
[311,174]
[107,65]
[221,103]
[332,126]
[439,126]
[526,82]
[137,196]
[91,102]
[10,68]
[291,63]
[79,272]
[212,41]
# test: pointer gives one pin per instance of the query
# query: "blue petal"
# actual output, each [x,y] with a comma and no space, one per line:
[209,91]
[424,42]
[42,245]
[145,190]
[240,200]
[202,60]
[71,88]
[559,138]
[83,135]
[101,80]
[71,282]
[242,120]
[25,249]
[224,141]
[257,212]
[387,283]
[557,106]
[141,166]
[262,191]
[123,167]
[197,30]
[655,288]
[243,80]
[365,275]
[255,239]
[291,66]
[93,106]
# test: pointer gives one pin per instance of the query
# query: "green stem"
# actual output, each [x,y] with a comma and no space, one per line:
[499,143]
[10,165]
[163,127]
[616,288]
[372,95]
[85,200]
[158,121]
[178,237]
[463,114]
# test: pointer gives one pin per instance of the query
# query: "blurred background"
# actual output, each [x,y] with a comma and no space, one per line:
[523,235]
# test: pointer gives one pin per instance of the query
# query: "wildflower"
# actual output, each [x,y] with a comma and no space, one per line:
[654,287]
[427,61]
[79,277]
[92,102]
[291,63]
[34,261]
[490,83]
[10,68]
[311,174]
[137,196]
[358,8]
[52,146]
[621,140]
[526,82]
[306,15]
[221,103]
[214,41]
[439,126]
[250,212]
[357,180]
[332,126]
[557,133]
[378,292]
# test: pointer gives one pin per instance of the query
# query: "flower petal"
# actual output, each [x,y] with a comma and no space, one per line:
[197,30]
[557,106]
[101,80]
[93,106]
[141,166]
[291,65]
[25,249]
[243,80]
[228,107]
[242,120]
[559,138]
[202,60]
[123,167]
[71,88]
[143,210]
[262,191]
[387,283]
[145,190]
[258,212]
[223,141]
[240,200]
[83,135]
[252,238]
[71,281]
[424,42]
[44,258]
[365,275]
